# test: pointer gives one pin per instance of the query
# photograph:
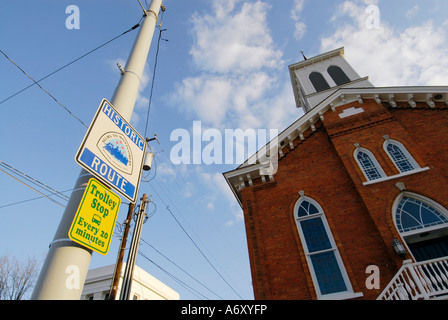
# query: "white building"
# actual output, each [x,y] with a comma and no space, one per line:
[144,286]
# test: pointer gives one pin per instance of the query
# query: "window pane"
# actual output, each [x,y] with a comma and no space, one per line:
[328,273]
[315,235]
[367,165]
[312,209]
[338,75]
[319,82]
[302,211]
[400,159]
[307,208]
[413,214]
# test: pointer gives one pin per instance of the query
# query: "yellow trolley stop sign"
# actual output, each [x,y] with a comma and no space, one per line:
[94,221]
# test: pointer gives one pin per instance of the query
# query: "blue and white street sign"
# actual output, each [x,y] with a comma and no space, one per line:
[113,151]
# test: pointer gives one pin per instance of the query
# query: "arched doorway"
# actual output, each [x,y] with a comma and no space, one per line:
[423,225]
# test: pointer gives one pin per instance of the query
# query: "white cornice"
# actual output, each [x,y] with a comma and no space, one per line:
[388,95]
[346,95]
[316,59]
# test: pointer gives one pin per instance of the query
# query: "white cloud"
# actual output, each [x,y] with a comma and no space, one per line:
[415,56]
[204,96]
[165,169]
[240,81]
[413,12]
[241,71]
[233,41]
[142,99]
[215,182]
[222,187]
[218,189]
[237,216]
[300,27]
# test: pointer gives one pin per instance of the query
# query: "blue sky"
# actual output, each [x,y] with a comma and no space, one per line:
[224,64]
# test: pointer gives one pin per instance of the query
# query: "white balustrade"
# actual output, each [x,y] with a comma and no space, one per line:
[419,281]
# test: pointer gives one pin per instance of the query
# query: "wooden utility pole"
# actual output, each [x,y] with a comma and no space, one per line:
[132,257]
[118,265]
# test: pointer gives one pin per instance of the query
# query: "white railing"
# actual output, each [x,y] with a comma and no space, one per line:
[418,281]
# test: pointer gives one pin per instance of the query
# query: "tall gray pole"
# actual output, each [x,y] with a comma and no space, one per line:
[65,268]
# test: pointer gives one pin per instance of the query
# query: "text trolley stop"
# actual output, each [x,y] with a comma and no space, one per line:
[94,222]
[113,151]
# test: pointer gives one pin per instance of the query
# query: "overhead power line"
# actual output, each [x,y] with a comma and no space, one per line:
[194,243]
[35,82]
[32,199]
[195,292]
[153,77]
[72,62]
[202,253]
[59,69]
[204,286]
[45,190]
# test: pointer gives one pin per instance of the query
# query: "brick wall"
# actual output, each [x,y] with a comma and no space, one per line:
[360,217]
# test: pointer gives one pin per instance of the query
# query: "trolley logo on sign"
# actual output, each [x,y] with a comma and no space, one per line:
[113,151]
[95,219]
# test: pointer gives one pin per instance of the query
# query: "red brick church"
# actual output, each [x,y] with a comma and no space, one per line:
[358,205]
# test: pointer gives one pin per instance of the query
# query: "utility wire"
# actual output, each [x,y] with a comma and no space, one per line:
[194,243]
[153,78]
[22,176]
[189,288]
[146,179]
[71,62]
[66,65]
[32,199]
[35,82]
[196,293]
[34,181]
[167,207]
[60,204]
[147,243]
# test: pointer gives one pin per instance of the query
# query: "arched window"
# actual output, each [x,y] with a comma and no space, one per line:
[323,257]
[368,164]
[400,156]
[412,214]
[319,81]
[338,75]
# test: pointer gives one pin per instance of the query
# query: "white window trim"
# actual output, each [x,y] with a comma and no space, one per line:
[375,162]
[403,174]
[404,150]
[349,294]
[423,199]
[342,296]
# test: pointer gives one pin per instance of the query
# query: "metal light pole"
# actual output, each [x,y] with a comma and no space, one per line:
[65,268]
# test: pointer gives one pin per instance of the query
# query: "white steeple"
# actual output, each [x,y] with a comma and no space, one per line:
[315,79]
